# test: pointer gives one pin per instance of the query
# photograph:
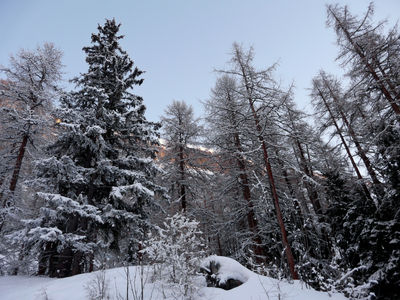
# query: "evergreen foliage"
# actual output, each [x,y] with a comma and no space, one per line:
[97,185]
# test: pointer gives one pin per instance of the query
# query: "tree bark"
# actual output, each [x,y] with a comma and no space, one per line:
[312,193]
[296,203]
[18,163]
[251,218]
[182,188]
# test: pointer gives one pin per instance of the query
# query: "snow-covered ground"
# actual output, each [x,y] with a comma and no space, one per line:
[257,287]
[79,287]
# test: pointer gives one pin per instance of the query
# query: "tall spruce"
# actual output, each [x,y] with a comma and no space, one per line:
[98,182]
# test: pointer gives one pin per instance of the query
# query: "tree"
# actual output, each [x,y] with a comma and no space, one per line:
[321,95]
[178,248]
[365,117]
[98,182]
[181,132]
[227,130]
[373,56]
[256,86]
[27,95]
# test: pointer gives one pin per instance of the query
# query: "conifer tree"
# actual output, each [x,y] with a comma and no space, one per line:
[98,183]
[26,104]
[181,133]
[228,133]
[26,99]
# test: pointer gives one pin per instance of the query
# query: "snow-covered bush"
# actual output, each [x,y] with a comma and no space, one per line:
[176,251]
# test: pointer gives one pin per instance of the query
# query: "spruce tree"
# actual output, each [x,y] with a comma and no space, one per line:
[98,183]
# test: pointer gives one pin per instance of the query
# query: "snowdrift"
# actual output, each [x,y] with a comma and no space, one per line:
[256,286]
[78,287]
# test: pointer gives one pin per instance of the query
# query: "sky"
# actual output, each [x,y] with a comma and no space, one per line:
[179,43]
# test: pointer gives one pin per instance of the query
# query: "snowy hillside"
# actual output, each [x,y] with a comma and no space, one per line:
[82,286]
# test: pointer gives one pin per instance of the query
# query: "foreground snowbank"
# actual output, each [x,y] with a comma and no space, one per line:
[77,287]
[256,286]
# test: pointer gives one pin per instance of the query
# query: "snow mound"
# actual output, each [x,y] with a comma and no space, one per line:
[228,268]
[256,286]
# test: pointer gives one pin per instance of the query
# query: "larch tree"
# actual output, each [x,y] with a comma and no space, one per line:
[227,133]
[181,132]
[261,94]
[322,100]
[371,55]
[365,118]
[27,95]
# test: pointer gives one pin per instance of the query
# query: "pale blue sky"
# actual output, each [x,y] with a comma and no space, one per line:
[179,43]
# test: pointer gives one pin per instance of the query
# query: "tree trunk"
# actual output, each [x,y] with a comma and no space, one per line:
[18,163]
[354,138]
[312,193]
[251,218]
[182,187]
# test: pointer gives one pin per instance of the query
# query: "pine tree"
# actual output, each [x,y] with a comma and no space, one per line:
[98,182]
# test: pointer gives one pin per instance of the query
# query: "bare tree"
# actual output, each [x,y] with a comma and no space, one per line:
[260,92]
[227,121]
[320,99]
[373,56]
[27,95]
[181,133]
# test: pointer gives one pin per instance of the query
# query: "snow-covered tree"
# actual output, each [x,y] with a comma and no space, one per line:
[371,55]
[26,97]
[181,132]
[234,201]
[362,214]
[177,247]
[98,182]
[263,98]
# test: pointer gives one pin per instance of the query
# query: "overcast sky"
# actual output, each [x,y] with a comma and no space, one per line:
[180,43]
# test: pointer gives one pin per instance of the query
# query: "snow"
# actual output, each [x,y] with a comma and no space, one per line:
[229,269]
[118,191]
[261,287]
[74,287]
[77,287]
[257,287]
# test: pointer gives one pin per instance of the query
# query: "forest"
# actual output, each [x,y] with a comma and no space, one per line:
[87,183]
